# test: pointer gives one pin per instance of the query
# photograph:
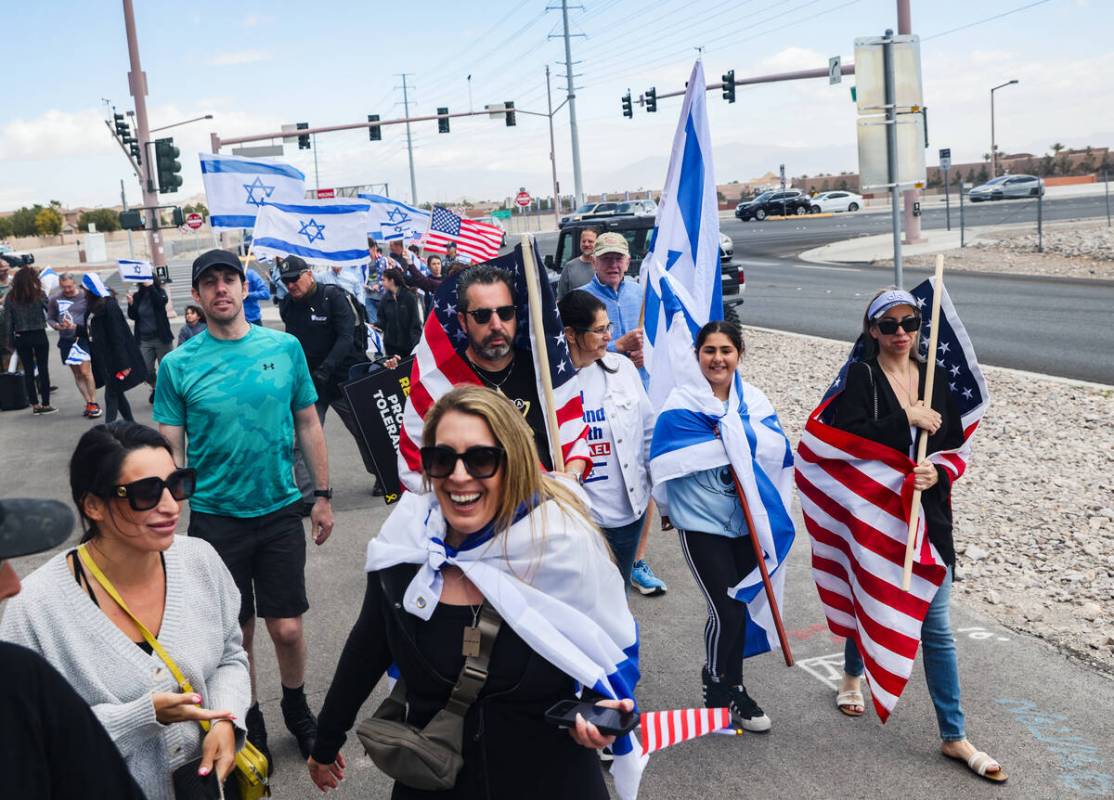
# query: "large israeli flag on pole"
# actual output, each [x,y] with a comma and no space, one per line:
[686,239]
[323,232]
[391,219]
[236,188]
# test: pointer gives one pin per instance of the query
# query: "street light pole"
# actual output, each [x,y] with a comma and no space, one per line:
[993,140]
[183,122]
[552,151]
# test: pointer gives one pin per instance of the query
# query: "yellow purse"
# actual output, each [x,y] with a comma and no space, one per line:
[251,765]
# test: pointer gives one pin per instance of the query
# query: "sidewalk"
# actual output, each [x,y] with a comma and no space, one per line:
[868,249]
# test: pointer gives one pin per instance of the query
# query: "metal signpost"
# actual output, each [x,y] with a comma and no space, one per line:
[963,187]
[891,152]
[945,165]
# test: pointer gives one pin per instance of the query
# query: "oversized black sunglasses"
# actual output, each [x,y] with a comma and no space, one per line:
[480,461]
[483,315]
[145,494]
[889,326]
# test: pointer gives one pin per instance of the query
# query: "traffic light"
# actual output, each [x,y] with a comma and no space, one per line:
[442,120]
[167,165]
[178,217]
[510,113]
[303,139]
[628,108]
[651,100]
[729,86]
[374,132]
[137,154]
[121,126]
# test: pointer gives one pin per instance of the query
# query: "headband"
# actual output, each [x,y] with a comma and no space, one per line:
[887,300]
[92,281]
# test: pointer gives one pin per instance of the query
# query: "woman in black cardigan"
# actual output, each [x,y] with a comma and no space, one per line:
[881,402]
[116,360]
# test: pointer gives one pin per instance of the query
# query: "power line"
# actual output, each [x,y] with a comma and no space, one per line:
[988,19]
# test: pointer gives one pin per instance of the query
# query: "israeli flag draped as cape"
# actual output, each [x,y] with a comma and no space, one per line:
[391,219]
[323,232]
[694,433]
[551,579]
[686,238]
[236,188]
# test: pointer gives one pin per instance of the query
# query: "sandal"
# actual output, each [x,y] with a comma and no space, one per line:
[979,762]
[846,700]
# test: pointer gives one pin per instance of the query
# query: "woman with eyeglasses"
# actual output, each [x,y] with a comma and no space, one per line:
[620,422]
[493,533]
[881,402]
[128,494]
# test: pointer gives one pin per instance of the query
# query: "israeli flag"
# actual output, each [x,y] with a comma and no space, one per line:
[686,236]
[694,433]
[133,271]
[391,219]
[374,341]
[77,356]
[49,280]
[236,188]
[323,232]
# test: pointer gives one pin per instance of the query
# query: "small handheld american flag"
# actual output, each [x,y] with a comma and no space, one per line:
[479,241]
[661,729]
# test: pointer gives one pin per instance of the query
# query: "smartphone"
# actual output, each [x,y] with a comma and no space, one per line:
[610,721]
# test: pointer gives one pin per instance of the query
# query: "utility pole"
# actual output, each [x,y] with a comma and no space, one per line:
[137,85]
[552,151]
[316,174]
[578,183]
[409,139]
[912,196]
[891,150]
[124,203]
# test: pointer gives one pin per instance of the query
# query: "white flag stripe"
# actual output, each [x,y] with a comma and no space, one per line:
[875,470]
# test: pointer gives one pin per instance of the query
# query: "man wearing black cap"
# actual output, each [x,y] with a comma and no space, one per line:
[323,319]
[239,393]
[51,743]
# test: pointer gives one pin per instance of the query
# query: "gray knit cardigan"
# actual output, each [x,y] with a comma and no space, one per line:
[200,630]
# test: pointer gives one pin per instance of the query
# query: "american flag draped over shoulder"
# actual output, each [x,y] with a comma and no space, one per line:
[855,498]
[478,241]
[440,364]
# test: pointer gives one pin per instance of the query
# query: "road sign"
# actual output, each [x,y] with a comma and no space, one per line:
[945,158]
[260,151]
[522,199]
[194,221]
[326,194]
[501,213]
[835,72]
[870,80]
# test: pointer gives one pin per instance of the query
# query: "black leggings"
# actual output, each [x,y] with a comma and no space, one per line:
[717,564]
[116,402]
[33,349]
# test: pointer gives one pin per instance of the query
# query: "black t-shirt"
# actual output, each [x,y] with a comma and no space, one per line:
[51,744]
[519,384]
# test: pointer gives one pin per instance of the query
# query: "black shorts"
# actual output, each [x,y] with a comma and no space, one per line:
[266,556]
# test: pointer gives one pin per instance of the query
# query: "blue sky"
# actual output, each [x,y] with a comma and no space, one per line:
[255,66]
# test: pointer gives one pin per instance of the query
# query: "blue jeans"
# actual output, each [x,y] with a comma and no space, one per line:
[371,306]
[941,671]
[624,544]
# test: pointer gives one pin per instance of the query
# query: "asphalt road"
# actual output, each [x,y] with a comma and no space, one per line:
[1044,715]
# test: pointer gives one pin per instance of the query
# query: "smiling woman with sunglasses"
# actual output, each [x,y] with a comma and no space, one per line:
[499,562]
[128,493]
[881,402]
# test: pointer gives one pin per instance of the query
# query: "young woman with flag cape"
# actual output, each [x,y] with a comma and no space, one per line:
[717,434]
[496,533]
[857,475]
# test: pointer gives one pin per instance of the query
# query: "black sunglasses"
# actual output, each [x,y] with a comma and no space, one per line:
[889,325]
[145,494]
[439,460]
[483,315]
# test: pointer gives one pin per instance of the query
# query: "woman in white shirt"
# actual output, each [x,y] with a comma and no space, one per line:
[620,426]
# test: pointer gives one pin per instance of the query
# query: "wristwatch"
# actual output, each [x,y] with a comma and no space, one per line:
[326,493]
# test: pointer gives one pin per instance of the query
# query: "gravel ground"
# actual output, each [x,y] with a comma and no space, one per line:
[1034,514]
[1071,249]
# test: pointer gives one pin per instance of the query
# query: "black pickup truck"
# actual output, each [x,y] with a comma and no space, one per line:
[637,230]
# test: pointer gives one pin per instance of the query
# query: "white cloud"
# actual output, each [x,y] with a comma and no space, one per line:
[239,57]
[55,134]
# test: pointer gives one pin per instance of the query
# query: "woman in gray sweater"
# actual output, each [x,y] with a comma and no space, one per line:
[128,491]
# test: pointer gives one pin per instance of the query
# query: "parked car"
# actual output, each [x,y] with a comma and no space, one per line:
[1007,186]
[827,202]
[581,212]
[637,230]
[788,203]
[16,258]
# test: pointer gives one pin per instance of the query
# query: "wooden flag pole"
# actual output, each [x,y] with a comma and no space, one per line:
[766,582]
[922,436]
[537,332]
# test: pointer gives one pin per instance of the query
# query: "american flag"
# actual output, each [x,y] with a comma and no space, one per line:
[855,498]
[661,729]
[478,241]
[440,364]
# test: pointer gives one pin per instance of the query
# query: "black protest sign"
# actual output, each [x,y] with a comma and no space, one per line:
[377,401]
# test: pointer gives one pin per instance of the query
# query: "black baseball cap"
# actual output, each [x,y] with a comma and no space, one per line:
[216,258]
[292,267]
[32,526]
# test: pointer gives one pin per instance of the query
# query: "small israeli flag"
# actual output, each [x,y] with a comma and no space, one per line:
[133,271]
[49,280]
[374,341]
[236,188]
[391,219]
[77,356]
[323,232]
